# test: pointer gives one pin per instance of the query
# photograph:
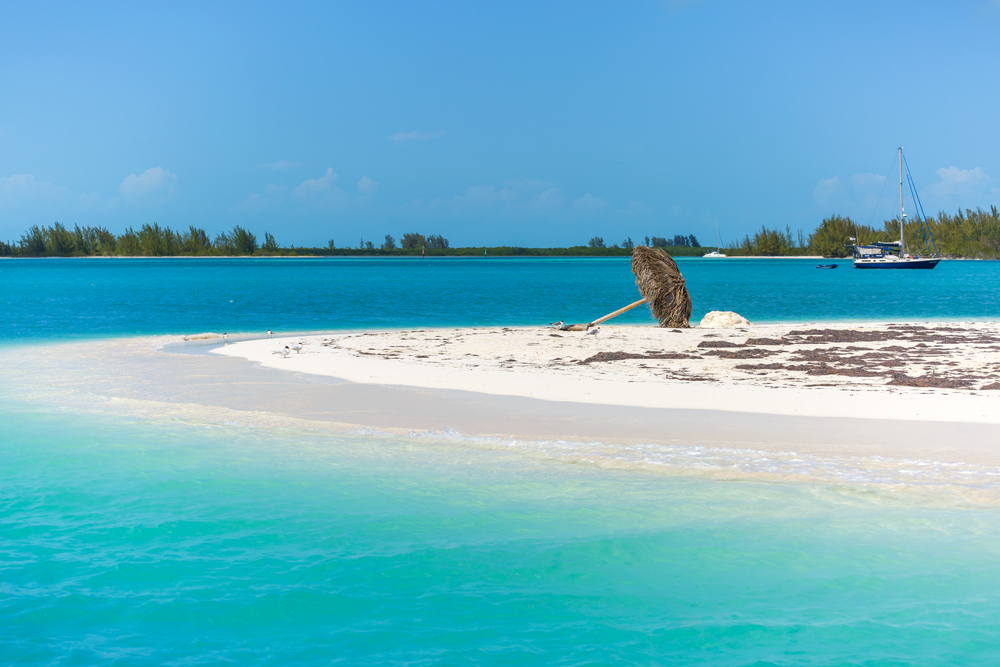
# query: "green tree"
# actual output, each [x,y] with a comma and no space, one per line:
[832,236]
[33,242]
[59,241]
[596,242]
[270,245]
[244,242]
[389,243]
[128,243]
[153,241]
[437,242]
[413,241]
[224,244]
[195,241]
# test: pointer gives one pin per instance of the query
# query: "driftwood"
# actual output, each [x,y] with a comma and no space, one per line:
[662,286]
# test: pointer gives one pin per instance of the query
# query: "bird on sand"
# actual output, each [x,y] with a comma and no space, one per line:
[557,324]
[594,331]
[297,347]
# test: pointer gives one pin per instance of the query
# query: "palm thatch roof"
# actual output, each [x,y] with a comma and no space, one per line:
[660,282]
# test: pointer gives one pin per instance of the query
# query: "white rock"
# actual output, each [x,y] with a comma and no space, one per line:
[720,319]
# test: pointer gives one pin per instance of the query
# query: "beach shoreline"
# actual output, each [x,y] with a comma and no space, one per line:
[930,372]
[353,384]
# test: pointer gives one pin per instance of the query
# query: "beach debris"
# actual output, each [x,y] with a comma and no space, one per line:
[662,287]
[622,356]
[201,336]
[721,319]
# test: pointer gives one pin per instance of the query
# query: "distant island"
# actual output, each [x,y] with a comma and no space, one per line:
[967,234]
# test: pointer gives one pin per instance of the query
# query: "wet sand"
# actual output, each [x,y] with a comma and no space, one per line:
[152,377]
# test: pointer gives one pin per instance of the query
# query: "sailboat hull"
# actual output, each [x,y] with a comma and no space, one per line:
[896,264]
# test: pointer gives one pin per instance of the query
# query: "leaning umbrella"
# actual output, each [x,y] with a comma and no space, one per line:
[662,287]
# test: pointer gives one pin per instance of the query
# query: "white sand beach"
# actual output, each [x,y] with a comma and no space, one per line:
[925,372]
[789,401]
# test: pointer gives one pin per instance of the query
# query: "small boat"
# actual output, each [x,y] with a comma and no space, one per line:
[827,266]
[892,254]
[718,246]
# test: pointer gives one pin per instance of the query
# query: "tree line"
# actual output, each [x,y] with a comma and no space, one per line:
[968,233]
[152,240]
[679,241]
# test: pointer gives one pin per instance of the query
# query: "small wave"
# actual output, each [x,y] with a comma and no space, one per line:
[930,481]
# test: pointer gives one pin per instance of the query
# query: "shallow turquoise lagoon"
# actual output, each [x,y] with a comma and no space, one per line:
[141,542]
[147,543]
[46,298]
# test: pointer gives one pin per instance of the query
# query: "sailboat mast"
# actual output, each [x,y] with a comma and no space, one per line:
[902,221]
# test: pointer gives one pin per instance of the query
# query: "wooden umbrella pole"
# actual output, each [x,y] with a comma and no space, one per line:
[616,313]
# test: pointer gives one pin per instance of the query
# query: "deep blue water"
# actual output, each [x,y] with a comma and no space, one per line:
[127,541]
[60,298]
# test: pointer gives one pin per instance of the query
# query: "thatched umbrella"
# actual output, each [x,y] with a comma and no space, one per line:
[662,287]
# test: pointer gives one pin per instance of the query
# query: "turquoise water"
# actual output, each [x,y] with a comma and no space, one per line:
[165,544]
[58,298]
[142,542]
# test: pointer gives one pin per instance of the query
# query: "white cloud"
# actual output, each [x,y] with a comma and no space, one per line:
[315,186]
[366,186]
[548,201]
[155,183]
[415,136]
[827,190]
[589,204]
[280,165]
[320,191]
[865,183]
[22,187]
[961,182]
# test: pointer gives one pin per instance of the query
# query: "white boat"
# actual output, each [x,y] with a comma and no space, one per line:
[893,255]
[718,245]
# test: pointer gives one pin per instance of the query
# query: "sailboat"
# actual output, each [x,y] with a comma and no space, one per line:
[893,255]
[718,245]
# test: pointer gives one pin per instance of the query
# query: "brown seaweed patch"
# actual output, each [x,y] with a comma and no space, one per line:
[929,381]
[621,356]
[766,341]
[845,336]
[718,343]
[741,354]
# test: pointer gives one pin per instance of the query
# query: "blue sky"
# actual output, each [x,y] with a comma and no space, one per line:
[528,124]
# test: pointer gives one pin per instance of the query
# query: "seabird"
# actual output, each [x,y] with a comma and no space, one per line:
[593,332]
[297,347]
[557,324]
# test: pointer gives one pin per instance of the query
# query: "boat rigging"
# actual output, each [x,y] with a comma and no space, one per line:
[892,254]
